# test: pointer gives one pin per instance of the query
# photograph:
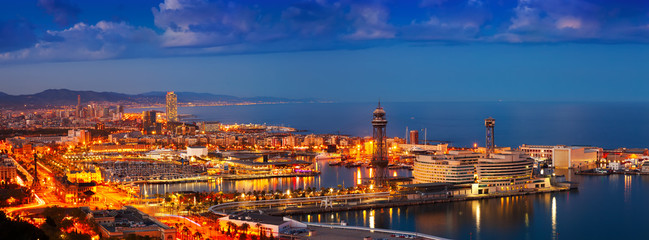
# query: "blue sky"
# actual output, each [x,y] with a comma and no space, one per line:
[419,50]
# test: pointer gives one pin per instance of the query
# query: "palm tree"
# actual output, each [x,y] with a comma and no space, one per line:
[244,227]
[198,235]
[232,227]
[185,232]
[258,225]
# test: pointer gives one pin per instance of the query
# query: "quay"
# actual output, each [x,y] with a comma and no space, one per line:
[232,177]
[330,231]
[260,176]
[362,201]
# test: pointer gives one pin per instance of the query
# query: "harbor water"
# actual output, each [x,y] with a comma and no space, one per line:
[604,207]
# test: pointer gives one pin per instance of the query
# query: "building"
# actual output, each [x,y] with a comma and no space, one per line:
[172,107]
[575,157]
[617,166]
[209,126]
[538,152]
[564,156]
[7,170]
[414,137]
[86,176]
[196,151]
[114,148]
[120,223]
[456,167]
[645,167]
[150,126]
[260,223]
[506,172]
[438,148]
[75,192]
[80,136]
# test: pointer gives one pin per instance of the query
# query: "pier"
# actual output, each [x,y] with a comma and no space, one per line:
[362,201]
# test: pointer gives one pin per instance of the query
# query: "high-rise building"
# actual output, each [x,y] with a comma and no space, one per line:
[79,110]
[172,107]
[380,156]
[149,123]
[414,137]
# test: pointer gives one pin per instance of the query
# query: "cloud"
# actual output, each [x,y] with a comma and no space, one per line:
[370,22]
[204,27]
[64,12]
[104,40]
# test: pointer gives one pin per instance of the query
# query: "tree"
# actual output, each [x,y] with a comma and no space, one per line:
[185,232]
[258,226]
[198,235]
[244,230]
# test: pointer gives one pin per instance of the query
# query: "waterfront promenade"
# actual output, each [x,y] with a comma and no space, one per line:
[361,201]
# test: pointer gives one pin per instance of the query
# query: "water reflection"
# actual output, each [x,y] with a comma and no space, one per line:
[477,216]
[554,218]
[456,220]
[331,176]
[627,187]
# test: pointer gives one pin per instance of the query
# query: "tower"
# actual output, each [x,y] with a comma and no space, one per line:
[78,106]
[490,123]
[35,182]
[172,107]
[414,137]
[380,155]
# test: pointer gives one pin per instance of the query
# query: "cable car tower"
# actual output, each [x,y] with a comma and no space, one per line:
[380,155]
[490,123]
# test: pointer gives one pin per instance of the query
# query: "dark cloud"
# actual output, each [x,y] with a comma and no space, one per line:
[64,12]
[15,35]
[205,27]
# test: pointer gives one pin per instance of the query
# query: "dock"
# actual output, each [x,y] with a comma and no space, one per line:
[353,202]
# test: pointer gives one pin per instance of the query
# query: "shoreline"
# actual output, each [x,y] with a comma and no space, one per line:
[291,212]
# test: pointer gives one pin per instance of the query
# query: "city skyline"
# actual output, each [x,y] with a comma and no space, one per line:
[332,50]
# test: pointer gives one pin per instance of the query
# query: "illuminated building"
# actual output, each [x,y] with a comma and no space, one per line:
[457,167]
[150,126]
[506,172]
[414,137]
[80,136]
[172,107]
[439,148]
[75,192]
[539,152]
[7,170]
[574,157]
[209,126]
[260,223]
[111,148]
[645,167]
[196,151]
[121,223]
[564,156]
[85,176]
[79,109]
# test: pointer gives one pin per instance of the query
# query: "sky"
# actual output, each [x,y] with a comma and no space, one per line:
[342,50]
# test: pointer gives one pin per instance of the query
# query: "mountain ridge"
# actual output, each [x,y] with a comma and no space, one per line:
[67,97]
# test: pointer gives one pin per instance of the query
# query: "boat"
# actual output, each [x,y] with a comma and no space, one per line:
[594,172]
[352,164]
[328,156]
[336,163]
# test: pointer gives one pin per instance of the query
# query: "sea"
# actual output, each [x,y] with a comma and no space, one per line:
[604,207]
